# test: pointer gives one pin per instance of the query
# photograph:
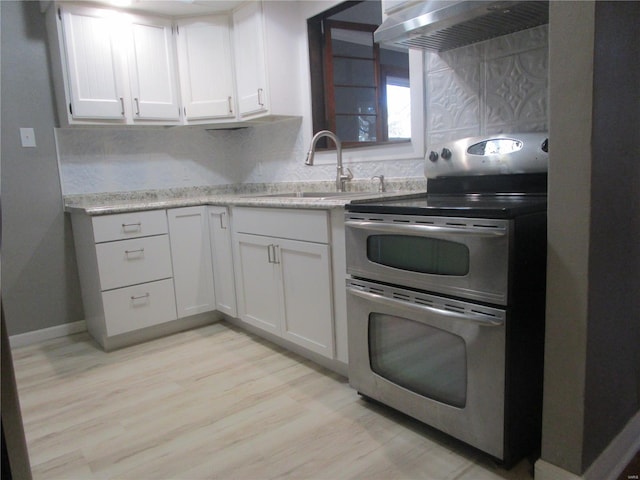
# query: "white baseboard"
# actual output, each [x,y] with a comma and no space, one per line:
[29,338]
[548,471]
[608,466]
[613,460]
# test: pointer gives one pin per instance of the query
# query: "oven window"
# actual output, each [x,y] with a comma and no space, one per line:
[419,254]
[420,358]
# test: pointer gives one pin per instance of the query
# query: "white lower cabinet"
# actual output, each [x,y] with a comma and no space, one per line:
[222,260]
[284,285]
[270,267]
[126,277]
[191,259]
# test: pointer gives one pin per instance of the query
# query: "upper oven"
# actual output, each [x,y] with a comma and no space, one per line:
[461,257]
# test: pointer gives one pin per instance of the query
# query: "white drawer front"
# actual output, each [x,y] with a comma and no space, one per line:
[293,223]
[140,306]
[129,225]
[129,262]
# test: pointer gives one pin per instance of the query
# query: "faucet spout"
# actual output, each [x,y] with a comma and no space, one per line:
[341,176]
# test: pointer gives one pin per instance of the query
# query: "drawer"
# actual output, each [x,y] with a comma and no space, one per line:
[129,262]
[293,223]
[140,306]
[129,225]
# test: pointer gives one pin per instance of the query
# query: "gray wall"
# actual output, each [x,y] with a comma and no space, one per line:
[592,381]
[592,308]
[39,276]
[612,388]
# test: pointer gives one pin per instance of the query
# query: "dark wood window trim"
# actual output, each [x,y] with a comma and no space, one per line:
[321,74]
[330,86]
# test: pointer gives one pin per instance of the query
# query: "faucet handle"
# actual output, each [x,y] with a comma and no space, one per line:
[342,178]
[348,176]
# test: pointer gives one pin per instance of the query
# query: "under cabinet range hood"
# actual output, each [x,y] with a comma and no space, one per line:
[447,24]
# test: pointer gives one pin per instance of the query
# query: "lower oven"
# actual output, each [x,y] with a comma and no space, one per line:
[437,359]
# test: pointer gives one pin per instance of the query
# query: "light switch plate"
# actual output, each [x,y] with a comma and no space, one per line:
[28,137]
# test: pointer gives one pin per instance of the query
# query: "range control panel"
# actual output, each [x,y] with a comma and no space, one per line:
[489,155]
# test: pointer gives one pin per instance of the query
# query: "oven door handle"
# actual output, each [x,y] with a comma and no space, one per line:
[430,229]
[476,318]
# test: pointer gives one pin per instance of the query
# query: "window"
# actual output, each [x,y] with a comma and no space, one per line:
[360,90]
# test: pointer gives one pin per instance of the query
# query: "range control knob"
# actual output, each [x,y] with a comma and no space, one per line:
[545,145]
[433,156]
[446,153]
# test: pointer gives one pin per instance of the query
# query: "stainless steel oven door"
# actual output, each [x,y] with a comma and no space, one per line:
[462,257]
[439,360]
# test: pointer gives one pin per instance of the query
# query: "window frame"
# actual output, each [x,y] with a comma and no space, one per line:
[412,150]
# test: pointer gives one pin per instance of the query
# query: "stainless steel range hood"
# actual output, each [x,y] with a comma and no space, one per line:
[446,24]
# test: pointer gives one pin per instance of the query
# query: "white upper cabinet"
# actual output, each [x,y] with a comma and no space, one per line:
[94,73]
[249,43]
[267,42]
[152,71]
[206,71]
[119,68]
[111,67]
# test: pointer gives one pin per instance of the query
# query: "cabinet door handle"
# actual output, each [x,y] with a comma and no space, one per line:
[137,225]
[140,297]
[269,247]
[276,248]
[137,106]
[222,222]
[230,106]
[122,106]
[139,250]
[260,99]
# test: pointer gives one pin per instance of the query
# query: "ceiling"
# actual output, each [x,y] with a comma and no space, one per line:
[173,8]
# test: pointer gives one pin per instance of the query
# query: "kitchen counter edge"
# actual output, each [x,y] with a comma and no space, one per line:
[230,200]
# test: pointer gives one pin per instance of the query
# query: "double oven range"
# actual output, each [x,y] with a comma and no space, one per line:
[445,300]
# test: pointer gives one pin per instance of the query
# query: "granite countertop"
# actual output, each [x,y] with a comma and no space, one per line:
[254,195]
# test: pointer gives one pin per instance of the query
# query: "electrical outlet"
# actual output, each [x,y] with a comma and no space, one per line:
[28,137]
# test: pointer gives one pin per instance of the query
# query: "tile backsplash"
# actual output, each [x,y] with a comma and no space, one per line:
[497,86]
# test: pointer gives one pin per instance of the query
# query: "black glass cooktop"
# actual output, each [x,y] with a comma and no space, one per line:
[462,205]
[495,196]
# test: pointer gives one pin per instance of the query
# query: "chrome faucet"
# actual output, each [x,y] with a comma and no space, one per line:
[381,185]
[341,177]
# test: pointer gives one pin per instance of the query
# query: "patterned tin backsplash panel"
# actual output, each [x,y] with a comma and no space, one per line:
[497,86]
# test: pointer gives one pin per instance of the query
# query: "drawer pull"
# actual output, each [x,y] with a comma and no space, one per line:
[139,250]
[139,297]
[138,225]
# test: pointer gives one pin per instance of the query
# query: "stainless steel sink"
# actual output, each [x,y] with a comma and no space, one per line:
[317,195]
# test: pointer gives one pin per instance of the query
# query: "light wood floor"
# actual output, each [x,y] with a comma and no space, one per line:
[219,403]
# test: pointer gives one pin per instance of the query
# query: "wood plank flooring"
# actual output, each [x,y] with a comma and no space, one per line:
[218,403]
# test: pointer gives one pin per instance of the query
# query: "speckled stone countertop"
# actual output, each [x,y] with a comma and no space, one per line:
[250,195]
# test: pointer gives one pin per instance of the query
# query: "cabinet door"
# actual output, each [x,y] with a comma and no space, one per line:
[94,73]
[249,53]
[206,72]
[152,69]
[222,260]
[257,277]
[191,258]
[306,291]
